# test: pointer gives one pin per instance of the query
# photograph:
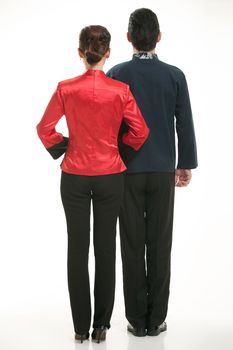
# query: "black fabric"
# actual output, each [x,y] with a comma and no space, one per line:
[162,95]
[127,153]
[106,193]
[59,149]
[146,220]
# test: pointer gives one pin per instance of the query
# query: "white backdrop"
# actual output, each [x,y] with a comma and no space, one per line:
[38,42]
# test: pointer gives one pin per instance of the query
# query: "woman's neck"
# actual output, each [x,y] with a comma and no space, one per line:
[98,66]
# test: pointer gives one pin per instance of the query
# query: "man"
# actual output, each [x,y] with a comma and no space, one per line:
[146,217]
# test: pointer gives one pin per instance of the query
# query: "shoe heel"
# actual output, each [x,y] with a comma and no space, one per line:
[101,335]
[98,337]
[81,337]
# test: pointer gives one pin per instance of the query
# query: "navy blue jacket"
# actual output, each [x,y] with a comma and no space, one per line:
[162,95]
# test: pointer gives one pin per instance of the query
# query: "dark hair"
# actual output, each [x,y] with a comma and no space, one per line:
[94,42]
[143,29]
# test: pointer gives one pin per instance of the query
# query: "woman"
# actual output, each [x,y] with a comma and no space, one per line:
[94,107]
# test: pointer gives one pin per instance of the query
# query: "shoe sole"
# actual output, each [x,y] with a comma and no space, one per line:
[157,332]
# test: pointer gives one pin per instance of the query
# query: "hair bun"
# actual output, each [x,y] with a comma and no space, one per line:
[92,57]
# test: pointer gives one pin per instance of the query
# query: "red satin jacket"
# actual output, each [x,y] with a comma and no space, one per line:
[94,106]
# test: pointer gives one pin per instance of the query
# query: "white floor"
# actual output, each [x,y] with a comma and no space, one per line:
[34,303]
[35,311]
[53,330]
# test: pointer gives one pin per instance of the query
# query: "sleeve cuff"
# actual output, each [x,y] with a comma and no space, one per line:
[127,153]
[59,149]
[187,166]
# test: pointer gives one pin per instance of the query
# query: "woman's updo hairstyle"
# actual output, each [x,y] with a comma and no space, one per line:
[94,43]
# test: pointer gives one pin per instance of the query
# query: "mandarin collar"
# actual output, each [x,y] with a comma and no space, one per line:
[145,56]
[95,72]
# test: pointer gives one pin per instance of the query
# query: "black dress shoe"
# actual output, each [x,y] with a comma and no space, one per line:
[81,337]
[156,330]
[137,331]
[99,334]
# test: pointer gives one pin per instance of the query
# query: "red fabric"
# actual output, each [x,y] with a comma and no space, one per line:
[94,107]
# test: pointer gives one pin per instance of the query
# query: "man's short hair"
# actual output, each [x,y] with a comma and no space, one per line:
[143,29]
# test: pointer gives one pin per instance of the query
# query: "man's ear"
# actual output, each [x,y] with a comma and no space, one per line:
[81,54]
[159,37]
[129,38]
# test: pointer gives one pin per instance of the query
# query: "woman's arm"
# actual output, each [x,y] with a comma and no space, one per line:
[54,142]
[138,130]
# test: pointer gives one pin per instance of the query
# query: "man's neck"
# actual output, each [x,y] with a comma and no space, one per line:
[140,51]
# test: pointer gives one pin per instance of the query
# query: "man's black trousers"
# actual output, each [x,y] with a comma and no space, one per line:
[146,221]
[106,192]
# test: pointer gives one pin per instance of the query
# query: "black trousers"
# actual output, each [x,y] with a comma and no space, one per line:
[106,192]
[146,221]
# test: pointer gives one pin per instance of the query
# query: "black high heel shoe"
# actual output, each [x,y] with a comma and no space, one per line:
[99,334]
[81,337]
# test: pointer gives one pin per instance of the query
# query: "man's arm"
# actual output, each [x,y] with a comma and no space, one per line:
[138,130]
[127,152]
[187,152]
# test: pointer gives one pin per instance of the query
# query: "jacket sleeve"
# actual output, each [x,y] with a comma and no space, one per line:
[54,142]
[187,151]
[138,131]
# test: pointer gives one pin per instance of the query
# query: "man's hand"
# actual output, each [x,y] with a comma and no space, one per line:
[183,177]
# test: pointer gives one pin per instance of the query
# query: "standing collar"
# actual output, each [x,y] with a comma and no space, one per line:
[95,72]
[145,56]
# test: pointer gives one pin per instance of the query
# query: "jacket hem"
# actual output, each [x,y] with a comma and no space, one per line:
[84,173]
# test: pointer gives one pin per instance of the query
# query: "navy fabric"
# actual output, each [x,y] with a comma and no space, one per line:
[162,95]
